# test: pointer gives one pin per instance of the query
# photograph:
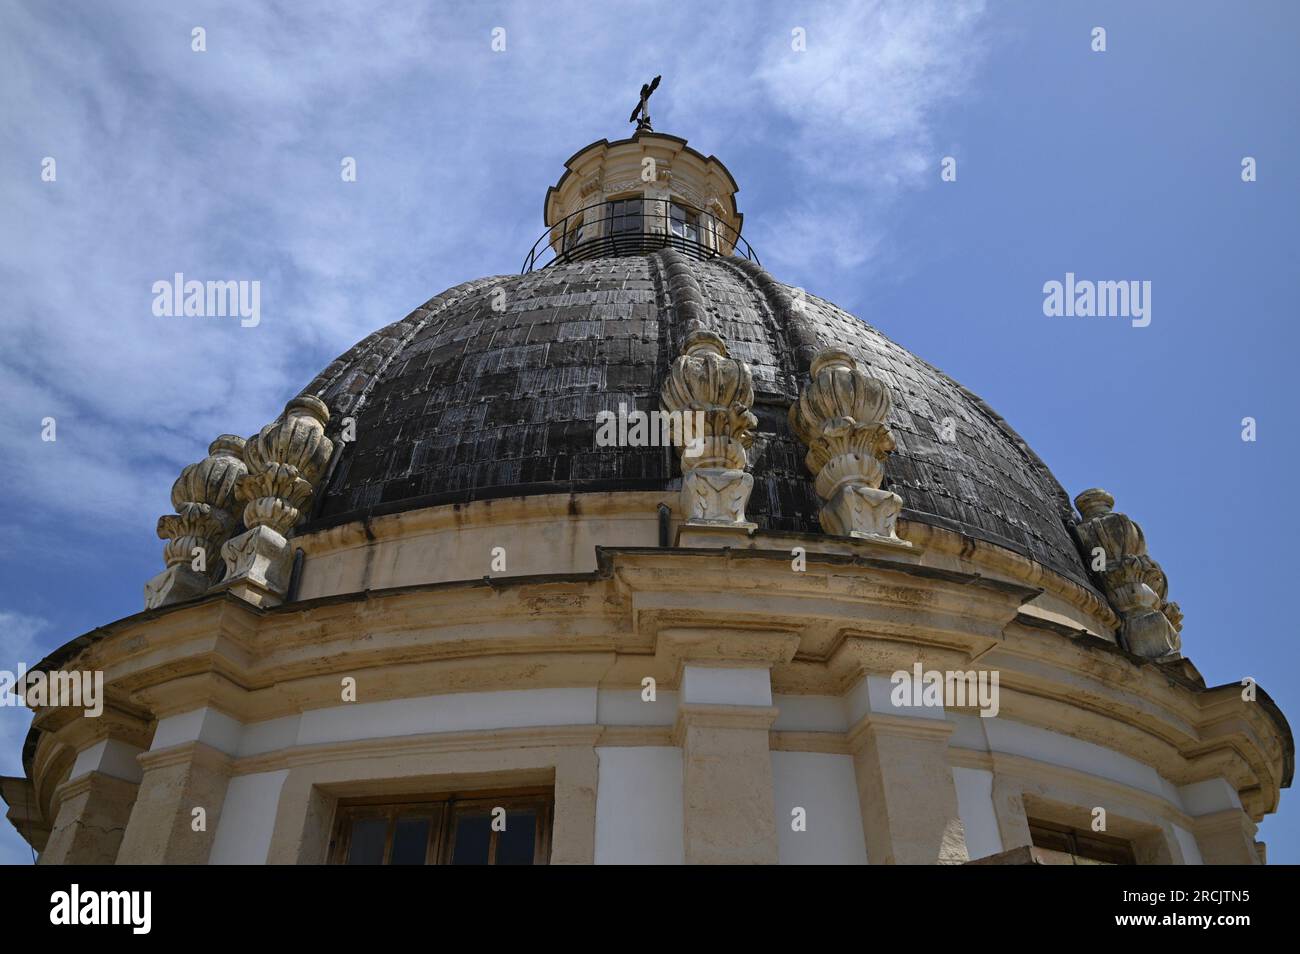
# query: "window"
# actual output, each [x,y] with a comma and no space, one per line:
[1085,846]
[481,829]
[708,230]
[683,222]
[624,216]
[573,234]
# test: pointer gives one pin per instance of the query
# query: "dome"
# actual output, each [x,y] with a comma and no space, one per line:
[434,587]
[493,389]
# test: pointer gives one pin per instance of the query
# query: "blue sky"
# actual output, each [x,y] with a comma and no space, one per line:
[1115,165]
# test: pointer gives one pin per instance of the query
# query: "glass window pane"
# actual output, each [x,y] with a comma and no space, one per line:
[515,844]
[473,833]
[1051,838]
[677,219]
[367,845]
[625,215]
[574,235]
[410,841]
[683,223]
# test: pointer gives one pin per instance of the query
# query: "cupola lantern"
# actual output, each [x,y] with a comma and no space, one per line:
[638,195]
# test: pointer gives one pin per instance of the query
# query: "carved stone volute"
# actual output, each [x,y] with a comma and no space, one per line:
[1116,551]
[840,416]
[204,499]
[286,460]
[713,393]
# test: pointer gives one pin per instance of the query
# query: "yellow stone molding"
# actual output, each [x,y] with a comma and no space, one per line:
[644,611]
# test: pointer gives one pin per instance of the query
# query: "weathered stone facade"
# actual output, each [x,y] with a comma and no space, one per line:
[1132,581]
[841,417]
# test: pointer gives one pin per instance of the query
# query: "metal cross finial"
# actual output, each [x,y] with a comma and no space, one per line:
[641,115]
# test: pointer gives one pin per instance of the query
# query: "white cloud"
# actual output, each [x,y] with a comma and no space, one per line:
[862,99]
[225,164]
[18,642]
[817,234]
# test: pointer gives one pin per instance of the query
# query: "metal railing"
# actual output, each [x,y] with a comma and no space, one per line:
[635,226]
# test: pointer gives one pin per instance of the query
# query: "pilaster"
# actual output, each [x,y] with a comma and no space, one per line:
[164,828]
[905,788]
[96,800]
[1226,838]
[724,721]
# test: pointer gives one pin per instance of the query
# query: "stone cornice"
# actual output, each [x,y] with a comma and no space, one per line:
[187,753]
[1228,820]
[91,780]
[847,617]
[546,737]
[602,155]
[80,731]
[826,743]
[1005,561]
[944,544]
[1017,770]
[724,645]
[237,615]
[907,727]
[491,512]
[708,716]
[635,735]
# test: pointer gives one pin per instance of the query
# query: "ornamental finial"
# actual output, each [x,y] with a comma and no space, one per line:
[840,415]
[641,115]
[1135,585]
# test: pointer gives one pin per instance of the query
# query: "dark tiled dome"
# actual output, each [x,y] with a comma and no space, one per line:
[492,389]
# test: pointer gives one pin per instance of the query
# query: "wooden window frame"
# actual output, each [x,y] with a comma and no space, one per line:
[573,234]
[540,804]
[619,209]
[442,810]
[690,222]
[1089,845]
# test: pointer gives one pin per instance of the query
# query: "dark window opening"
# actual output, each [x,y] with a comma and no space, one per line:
[1086,845]
[624,216]
[573,236]
[502,829]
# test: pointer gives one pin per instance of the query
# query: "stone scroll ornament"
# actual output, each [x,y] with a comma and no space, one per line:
[840,416]
[1116,550]
[286,461]
[205,517]
[714,394]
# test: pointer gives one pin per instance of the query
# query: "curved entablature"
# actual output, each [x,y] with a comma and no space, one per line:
[237,686]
